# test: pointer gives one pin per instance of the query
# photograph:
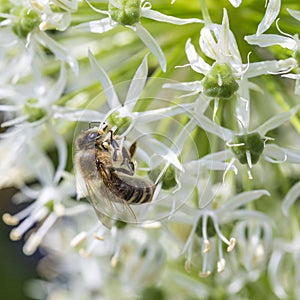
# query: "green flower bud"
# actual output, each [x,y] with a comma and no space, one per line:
[210,229]
[50,205]
[252,142]
[120,224]
[5,7]
[34,113]
[152,292]
[219,82]
[127,13]
[168,178]
[27,22]
[121,123]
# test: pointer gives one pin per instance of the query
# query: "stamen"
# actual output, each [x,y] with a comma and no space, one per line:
[231,244]
[98,237]
[8,219]
[84,253]
[204,274]
[187,266]
[78,239]
[32,244]
[206,246]
[151,225]
[249,160]
[221,265]
[114,261]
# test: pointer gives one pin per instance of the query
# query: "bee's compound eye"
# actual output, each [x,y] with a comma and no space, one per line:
[93,135]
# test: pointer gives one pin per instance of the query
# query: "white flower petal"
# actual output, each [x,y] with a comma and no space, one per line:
[62,152]
[98,26]
[151,44]
[274,154]
[294,13]
[78,115]
[210,126]
[109,90]
[235,3]
[4,107]
[165,152]
[282,154]
[57,89]
[58,50]
[271,14]
[266,40]
[208,43]
[276,121]
[157,16]
[242,199]
[290,198]
[269,67]
[195,86]
[292,76]
[274,274]
[196,61]
[158,114]
[137,84]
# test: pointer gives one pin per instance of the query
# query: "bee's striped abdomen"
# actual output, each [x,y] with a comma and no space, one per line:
[133,190]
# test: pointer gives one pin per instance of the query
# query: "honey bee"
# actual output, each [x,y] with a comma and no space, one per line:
[105,174]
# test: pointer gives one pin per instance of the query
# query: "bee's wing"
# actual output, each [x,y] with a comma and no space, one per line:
[108,206]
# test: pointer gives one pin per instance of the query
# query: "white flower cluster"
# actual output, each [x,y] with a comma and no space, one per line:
[220,185]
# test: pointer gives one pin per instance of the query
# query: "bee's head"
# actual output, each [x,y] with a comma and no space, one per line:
[89,138]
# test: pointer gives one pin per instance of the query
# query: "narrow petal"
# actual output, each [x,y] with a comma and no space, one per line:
[57,89]
[62,152]
[165,152]
[195,86]
[58,50]
[151,44]
[266,40]
[276,121]
[157,16]
[280,154]
[137,84]
[4,107]
[269,67]
[294,13]
[158,114]
[290,198]
[235,3]
[208,43]
[109,90]
[99,26]
[242,199]
[196,61]
[271,14]
[78,115]
[210,126]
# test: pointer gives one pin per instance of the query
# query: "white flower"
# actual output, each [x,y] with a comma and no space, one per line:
[207,221]
[128,13]
[228,75]
[286,41]
[50,202]
[29,20]
[123,116]
[34,103]
[248,146]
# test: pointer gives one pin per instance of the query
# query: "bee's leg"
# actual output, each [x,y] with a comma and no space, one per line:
[115,145]
[123,170]
[132,149]
[127,161]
